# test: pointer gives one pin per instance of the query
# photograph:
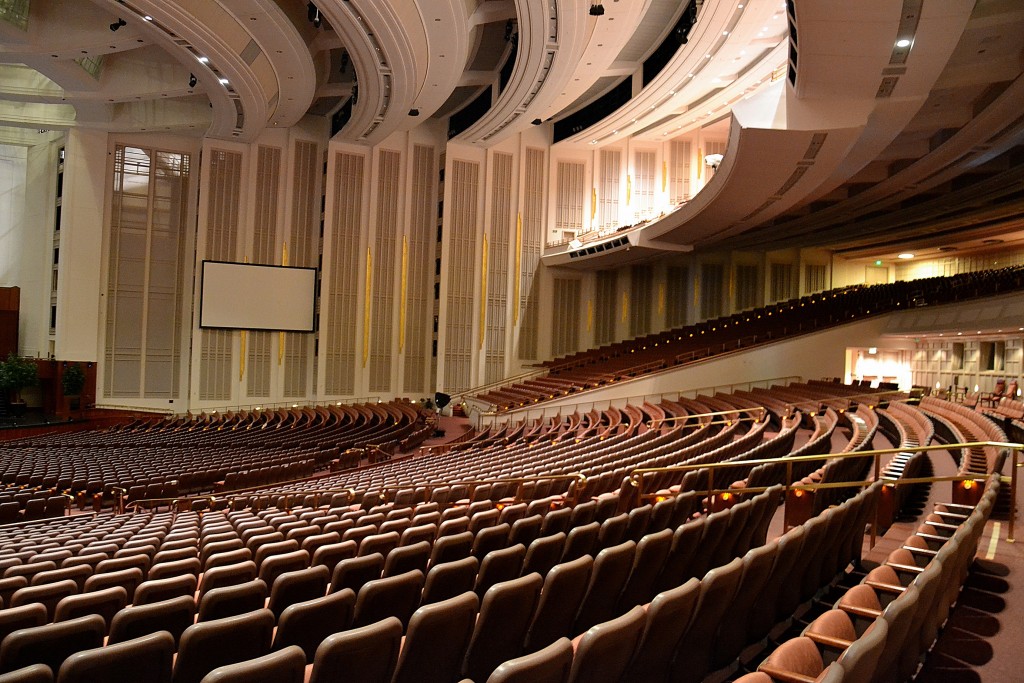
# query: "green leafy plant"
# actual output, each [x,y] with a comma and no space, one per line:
[16,373]
[72,381]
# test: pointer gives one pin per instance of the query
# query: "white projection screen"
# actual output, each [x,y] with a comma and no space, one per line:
[242,296]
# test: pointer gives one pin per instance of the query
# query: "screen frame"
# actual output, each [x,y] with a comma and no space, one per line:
[312,302]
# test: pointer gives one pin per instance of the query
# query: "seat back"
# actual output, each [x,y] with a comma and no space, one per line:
[367,654]
[207,645]
[395,596]
[436,640]
[284,666]
[50,644]
[173,616]
[605,650]
[500,630]
[548,665]
[306,624]
[147,658]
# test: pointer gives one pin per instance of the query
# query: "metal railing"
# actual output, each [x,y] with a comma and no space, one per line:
[181,503]
[494,418]
[637,475]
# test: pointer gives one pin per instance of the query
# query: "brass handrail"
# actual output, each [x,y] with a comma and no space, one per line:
[579,478]
[636,476]
[658,420]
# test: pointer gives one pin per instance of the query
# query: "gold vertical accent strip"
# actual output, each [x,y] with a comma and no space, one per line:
[483,293]
[241,341]
[280,335]
[593,203]
[629,188]
[664,175]
[405,288]
[367,288]
[625,306]
[515,275]
[661,298]
[590,315]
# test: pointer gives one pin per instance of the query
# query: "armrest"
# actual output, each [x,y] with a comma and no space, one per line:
[885,587]
[784,676]
[943,525]
[856,610]
[905,567]
[932,537]
[957,506]
[830,642]
[921,551]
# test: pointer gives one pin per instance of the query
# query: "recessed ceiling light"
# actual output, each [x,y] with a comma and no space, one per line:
[148,18]
[903,42]
[204,60]
[223,81]
[905,255]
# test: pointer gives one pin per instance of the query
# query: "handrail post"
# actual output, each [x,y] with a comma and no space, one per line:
[789,481]
[711,486]
[874,517]
[1013,495]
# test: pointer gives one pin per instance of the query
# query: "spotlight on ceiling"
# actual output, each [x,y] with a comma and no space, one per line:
[118,24]
[414,112]
[597,10]
[192,80]
[536,122]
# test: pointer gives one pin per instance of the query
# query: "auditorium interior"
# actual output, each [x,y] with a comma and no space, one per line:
[497,341]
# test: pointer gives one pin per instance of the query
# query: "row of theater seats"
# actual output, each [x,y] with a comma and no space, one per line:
[195,458]
[604,456]
[29,506]
[968,426]
[655,352]
[880,629]
[597,585]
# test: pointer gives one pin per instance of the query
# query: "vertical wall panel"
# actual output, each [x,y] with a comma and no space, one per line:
[606,306]
[569,197]
[814,278]
[781,282]
[747,277]
[259,345]
[565,316]
[641,293]
[644,177]
[461,270]
[608,191]
[679,172]
[145,290]
[302,251]
[676,286]
[222,224]
[712,286]
[497,264]
[384,268]
[342,296]
[420,263]
[532,231]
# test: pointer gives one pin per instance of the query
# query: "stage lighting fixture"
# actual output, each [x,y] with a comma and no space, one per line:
[597,10]
[192,80]
[118,24]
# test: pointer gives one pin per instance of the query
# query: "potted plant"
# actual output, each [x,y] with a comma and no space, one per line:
[16,373]
[72,381]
